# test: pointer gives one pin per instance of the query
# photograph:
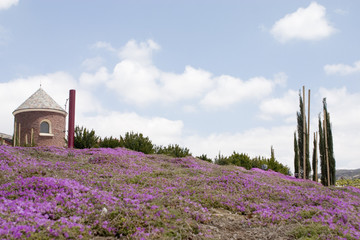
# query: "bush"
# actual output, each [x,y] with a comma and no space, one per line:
[137,142]
[110,142]
[173,150]
[205,158]
[84,138]
[348,182]
[221,160]
[240,159]
[243,160]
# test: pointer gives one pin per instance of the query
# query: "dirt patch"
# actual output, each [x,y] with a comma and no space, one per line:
[227,225]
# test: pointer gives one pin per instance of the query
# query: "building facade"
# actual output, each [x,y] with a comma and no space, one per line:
[39,121]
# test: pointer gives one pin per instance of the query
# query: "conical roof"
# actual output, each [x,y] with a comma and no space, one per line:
[40,101]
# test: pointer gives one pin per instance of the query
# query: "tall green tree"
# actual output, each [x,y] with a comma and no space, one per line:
[296,157]
[329,151]
[272,162]
[314,161]
[323,165]
[301,141]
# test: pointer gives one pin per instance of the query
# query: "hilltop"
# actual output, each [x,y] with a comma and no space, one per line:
[59,193]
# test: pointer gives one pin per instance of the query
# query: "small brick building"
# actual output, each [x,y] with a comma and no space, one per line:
[5,139]
[39,121]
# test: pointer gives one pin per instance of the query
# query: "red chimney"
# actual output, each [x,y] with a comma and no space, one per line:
[71,119]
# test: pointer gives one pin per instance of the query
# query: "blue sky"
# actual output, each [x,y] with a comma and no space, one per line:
[211,76]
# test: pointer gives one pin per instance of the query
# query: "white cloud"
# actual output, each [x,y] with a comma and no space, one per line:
[101,76]
[6,4]
[136,80]
[229,90]
[305,24]
[144,84]
[139,52]
[285,106]
[135,83]
[92,63]
[105,45]
[342,69]
[190,84]
[280,79]
[161,131]
[189,109]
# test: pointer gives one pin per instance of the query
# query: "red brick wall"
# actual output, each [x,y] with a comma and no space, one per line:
[29,120]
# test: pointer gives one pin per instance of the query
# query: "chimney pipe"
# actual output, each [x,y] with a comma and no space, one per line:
[71,119]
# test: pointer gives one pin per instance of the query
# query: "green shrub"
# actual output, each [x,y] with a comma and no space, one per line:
[313,231]
[137,142]
[221,160]
[84,138]
[205,158]
[348,182]
[173,150]
[243,160]
[110,142]
[240,159]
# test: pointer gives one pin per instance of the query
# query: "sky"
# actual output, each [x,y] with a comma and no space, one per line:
[212,76]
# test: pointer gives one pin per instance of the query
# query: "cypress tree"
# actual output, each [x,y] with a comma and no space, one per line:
[330,145]
[272,163]
[301,140]
[314,160]
[330,149]
[323,166]
[296,158]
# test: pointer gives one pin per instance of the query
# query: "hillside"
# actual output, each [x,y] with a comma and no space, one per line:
[347,173]
[116,193]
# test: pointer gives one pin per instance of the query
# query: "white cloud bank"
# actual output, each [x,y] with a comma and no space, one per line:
[342,69]
[229,90]
[305,24]
[6,4]
[136,80]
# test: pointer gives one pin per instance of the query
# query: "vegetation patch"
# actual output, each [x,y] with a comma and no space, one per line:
[105,193]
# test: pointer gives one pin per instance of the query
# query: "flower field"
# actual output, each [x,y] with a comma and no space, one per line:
[58,193]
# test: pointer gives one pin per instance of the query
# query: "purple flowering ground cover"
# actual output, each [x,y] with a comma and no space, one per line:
[59,193]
